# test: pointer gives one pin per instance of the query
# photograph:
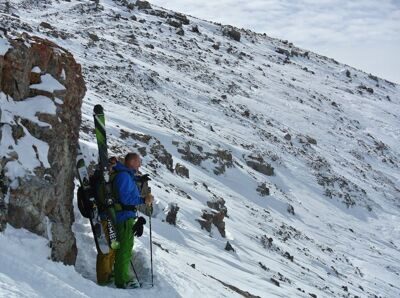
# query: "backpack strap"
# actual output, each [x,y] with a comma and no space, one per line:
[121,207]
[118,206]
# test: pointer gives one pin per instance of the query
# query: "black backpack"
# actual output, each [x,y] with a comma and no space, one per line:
[91,198]
[85,202]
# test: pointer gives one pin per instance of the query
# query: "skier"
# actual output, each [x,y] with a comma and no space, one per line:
[128,197]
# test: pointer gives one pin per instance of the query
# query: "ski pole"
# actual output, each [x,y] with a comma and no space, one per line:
[149,212]
[134,271]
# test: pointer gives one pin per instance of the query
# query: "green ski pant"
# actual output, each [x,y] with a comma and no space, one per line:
[123,255]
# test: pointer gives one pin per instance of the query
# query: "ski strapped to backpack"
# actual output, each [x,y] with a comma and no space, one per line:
[104,168]
[88,206]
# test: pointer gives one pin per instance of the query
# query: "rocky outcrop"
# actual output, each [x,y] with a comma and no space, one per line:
[181,170]
[41,91]
[173,209]
[196,154]
[229,247]
[210,217]
[263,190]
[258,164]
[231,32]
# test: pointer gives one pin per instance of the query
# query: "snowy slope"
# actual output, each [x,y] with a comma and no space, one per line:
[219,106]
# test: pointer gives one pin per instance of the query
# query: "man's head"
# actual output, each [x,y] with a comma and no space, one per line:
[133,161]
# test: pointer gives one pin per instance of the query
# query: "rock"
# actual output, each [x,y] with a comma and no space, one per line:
[135,136]
[210,217]
[228,247]
[223,159]
[181,170]
[263,266]
[218,204]
[188,152]
[171,216]
[368,89]
[41,200]
[193,266]
[246,113]
[275,282]
[290,209]
[162,155]
[287,137]
[93,37]
[266,241]
[143,4]
[17,132]
[283,52]
[205,224]
[231,33]
[258,164]
[288,256]
[311,140]
[182,18]
[372,77]
[180,32]
[46,25]
[263,189]
[142,151]
[35,75]
[174,23]
[195,29]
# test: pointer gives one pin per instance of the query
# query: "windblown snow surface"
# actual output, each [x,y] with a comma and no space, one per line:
[229,111]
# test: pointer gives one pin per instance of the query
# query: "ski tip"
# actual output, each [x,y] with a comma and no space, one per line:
[98,109]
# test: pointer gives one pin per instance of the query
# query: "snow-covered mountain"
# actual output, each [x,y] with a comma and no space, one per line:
[291,157]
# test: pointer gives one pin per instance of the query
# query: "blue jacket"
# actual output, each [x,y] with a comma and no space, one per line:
[126,189]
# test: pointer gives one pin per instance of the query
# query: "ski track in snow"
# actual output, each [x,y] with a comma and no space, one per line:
[174,88]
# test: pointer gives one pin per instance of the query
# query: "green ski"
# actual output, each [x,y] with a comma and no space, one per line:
[99,123]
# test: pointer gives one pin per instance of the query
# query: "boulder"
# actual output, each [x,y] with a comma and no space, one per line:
[231,33]
[172,212]
[218,204]
[229,247]
[258,164]
[288,137]
[143,4]
[44,84]
[210,217]
[263,190]
[181,170]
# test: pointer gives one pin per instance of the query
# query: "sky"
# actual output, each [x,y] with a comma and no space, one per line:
[361,33]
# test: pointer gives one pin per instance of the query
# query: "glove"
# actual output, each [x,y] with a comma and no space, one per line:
[137,228]
[148,200]
[143,178]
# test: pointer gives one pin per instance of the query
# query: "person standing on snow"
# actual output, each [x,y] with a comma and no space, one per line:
[128,197]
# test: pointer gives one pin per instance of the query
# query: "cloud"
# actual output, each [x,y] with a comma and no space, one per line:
[341,29]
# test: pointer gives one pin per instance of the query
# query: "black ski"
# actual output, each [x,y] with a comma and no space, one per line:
[90,205]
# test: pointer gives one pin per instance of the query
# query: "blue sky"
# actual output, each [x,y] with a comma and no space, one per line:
[362,33]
